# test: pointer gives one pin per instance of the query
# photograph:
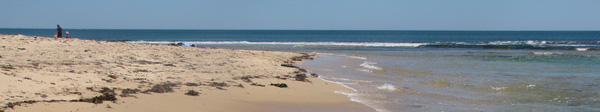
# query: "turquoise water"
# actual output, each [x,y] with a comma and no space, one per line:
[422,70]
[467,80]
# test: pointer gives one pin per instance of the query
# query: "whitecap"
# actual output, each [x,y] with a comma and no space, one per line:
[497,88]
[581,49]
[370,65]
[387,86]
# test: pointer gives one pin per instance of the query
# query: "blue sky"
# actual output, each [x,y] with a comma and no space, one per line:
[304,14]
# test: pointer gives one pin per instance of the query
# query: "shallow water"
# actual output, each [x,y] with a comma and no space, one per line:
[466,80]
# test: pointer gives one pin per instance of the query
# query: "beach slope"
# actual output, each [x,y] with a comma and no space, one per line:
[48,74]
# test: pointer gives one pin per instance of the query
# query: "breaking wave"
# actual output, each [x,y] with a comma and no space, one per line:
[370,65]
[368,44]
[566,45]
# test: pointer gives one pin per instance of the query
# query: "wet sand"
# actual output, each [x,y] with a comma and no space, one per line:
[70,74]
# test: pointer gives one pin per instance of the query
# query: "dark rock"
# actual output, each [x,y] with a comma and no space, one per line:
[281,85]
[27,78]
[314,74]
[192,93]
[256,84]
[21,48]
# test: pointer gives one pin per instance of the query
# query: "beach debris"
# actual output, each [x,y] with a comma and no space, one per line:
[108,80]
[169,65]
[301,69]
[43,95]
[289,65]
[218,84]
[314,74]
[13,104]
[246,78]
[192,84]
[281,85]
[220,88]
[6,67]
[108,106]
[140,70]
[240,85]
[107,95]
[282,78]
[301,77]
[192,93]
[162,88]
[21,48]
[144,62]
[127,92]
[113,76]
[257,84]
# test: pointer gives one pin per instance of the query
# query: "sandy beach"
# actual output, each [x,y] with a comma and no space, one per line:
[74,75]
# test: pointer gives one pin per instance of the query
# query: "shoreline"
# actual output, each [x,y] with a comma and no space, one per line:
[43,69]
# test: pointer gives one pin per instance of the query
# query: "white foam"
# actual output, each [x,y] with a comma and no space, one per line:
[370,44]
[497,88]
[581,49]
[370,65]
[323,78]
[387,86]
[358,57]
[545,53]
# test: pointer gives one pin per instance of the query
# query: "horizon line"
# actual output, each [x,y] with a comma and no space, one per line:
[286,29]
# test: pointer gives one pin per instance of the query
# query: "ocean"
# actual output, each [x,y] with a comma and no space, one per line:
[420,70]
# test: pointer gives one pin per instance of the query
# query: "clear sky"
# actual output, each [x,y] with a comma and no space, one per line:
[304,14]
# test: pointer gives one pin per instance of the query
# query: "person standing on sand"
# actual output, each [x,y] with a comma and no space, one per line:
[59,31]
[67,36]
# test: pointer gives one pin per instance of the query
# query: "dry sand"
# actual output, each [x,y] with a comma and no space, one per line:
[52,72]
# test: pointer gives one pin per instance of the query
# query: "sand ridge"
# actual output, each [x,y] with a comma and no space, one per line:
[45,69]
